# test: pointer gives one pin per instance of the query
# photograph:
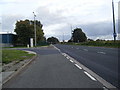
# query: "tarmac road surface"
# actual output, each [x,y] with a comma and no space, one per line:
[103,61]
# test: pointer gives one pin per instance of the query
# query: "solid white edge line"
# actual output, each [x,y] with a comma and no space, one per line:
[90,76]
[71,61]
[78,66]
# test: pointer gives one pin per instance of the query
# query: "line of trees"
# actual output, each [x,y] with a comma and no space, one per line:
[25,30]
[52,40]
[77,36]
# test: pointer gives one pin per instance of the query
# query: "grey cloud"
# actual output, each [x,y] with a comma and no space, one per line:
[8,22]
[48,18]
[99,28]
[119,26]
[94,30]
[62,32]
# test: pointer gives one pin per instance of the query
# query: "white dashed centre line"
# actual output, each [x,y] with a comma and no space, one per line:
[78,66]
[85,49]
[101,52]
[90,76]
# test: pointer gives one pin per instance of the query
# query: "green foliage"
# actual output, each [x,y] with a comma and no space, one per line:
[79,35]
[25,31]
[90,40]
[99,43]
[103,43]
[39,34]
[14,55]
[52,40]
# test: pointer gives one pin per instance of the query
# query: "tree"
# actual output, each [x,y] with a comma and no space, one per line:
[70,40]
[78,35]
[25,31]
[90,39]
[100,40]
[52,40]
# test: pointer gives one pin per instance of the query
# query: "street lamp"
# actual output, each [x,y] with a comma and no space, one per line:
[114,33]
[63,37]
[71,31]
[34,27]
[71,34]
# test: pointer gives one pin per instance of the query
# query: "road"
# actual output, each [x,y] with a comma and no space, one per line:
[51,69]
[102,61]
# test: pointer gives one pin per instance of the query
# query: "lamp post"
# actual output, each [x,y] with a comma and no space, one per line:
[34,27]
[63,37]
[114,33]
[71,34]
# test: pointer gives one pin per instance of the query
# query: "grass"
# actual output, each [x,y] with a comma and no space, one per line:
[111,44]
[14,55]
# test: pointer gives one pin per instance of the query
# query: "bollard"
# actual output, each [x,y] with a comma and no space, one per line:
[27,45]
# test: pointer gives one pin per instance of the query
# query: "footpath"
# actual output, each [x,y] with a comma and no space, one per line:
[13,68]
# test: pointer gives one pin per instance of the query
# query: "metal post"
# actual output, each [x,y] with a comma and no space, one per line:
[63,37]
[119,19]
[8,37]
[35,28]
[71,34]
[114,33]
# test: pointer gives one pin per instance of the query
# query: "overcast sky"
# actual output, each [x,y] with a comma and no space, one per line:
[57,16]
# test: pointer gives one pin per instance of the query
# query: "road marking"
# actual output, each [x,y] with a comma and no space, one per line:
[85,49]
[78,66]
[67,57]
[101,52]
[104,88]
[64,54]
[71,61]
[100,79]
[90,76]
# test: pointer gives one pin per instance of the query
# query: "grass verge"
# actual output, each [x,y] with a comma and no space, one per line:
[14,55]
